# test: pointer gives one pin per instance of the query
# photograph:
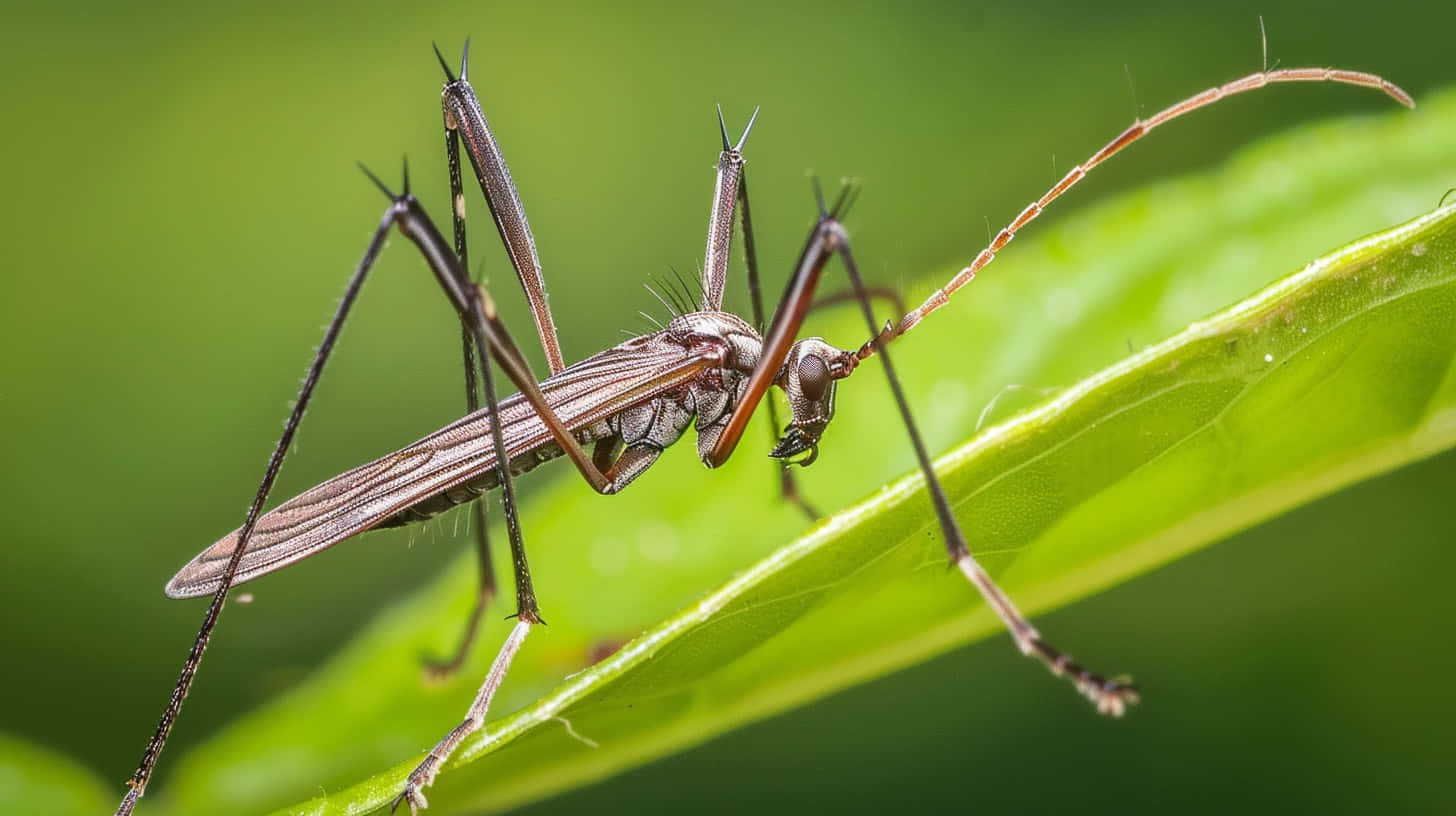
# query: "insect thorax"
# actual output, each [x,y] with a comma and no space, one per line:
[733,346]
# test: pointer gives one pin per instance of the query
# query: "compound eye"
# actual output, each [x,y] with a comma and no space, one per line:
[814,377]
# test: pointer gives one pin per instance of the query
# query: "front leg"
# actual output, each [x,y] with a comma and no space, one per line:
[634,461]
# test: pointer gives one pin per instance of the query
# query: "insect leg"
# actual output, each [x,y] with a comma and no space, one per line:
[438,669]
[777,341]
[441,668]
[477,307]
[478,313]
[424,774]
[465,119]
[142,775]
[1111,696]
[478,310]
[732,178]
[727,192]
[788,485]
[528,613]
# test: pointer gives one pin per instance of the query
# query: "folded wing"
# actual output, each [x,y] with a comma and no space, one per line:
[349,504]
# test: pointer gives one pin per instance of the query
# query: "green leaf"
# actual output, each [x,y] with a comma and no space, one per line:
[1339,371]
[34,779]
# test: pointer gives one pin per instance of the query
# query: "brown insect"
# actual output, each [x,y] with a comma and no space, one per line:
[614,413]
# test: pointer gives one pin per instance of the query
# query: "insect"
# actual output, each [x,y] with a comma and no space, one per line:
[614,413]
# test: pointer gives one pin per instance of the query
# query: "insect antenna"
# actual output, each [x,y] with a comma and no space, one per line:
[1139,128]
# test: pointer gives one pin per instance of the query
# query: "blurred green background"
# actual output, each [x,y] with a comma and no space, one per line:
[183,210]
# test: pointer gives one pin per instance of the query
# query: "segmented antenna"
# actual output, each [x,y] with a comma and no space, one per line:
[1135,131]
